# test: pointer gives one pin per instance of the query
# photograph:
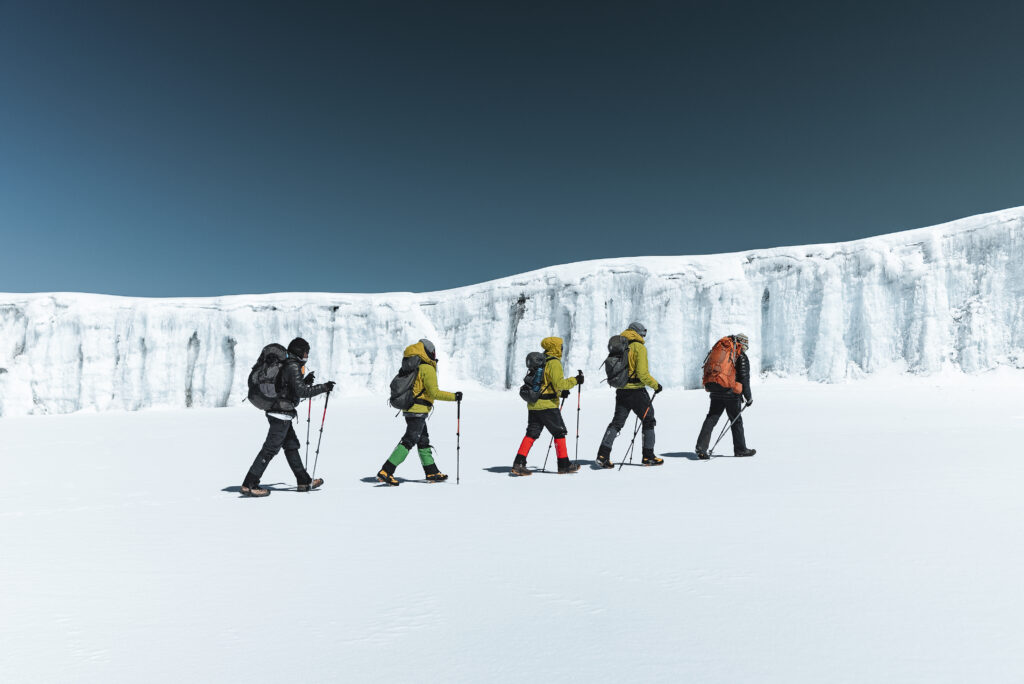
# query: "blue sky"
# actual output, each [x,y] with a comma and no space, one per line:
[190,149]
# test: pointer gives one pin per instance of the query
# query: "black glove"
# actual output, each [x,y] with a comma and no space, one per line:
[579,377]
[565,394]
[458,396]
[658,388]
[309,378]
[750,401]
[329,385]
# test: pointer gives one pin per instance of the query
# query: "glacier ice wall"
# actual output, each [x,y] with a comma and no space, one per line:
[920,301]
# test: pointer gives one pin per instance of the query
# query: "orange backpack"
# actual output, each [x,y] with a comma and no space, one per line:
[720,366]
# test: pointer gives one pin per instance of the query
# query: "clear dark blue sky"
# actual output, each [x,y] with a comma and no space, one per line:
[175,148]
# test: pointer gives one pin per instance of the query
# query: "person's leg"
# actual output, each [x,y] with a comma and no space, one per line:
[714,413]
[554,423]
[643,407]
[534,425]
[739,442]
[622,408]
[276,435]
[427,457]
[291,452]
[415,423]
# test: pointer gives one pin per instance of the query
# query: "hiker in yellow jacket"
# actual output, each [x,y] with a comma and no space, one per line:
[426,392]
[545,413]
[633,397]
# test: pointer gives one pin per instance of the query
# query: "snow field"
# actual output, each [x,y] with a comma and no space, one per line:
[876,536]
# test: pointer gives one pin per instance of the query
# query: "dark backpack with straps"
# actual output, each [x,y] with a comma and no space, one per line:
[532,389]
[402,397]
[265,376]
[616,365]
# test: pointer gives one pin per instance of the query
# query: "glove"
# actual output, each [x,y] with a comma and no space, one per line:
[658,388]
[750,401]
[309,378]
[579,377]
[458,396]
[329,385]
[565,394]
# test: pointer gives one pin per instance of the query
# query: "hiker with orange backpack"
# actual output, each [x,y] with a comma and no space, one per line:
[727,380]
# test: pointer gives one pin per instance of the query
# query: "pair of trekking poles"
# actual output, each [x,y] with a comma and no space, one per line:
[309,417]
[576,458]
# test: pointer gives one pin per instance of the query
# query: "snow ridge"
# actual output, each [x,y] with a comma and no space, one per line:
[948,297]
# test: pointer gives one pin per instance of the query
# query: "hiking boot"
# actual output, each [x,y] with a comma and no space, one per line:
[702,454]
[519,468]
[436,477]
[315,484]
[387,478]
[254,490]
[567,467]
[651,460]
[604,458]
[744,452]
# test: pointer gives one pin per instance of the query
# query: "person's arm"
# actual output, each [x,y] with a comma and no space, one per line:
[642,374]
[430,388]
[556,377]
[743,375]
[292,378]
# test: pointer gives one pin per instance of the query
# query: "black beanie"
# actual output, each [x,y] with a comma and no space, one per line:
[298,348]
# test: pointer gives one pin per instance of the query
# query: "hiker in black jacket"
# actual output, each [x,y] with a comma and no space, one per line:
[293,388]
[729,400]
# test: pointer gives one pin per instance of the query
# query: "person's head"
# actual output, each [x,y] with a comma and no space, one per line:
[299,348]
[428,347]
[639,328]
[742,340]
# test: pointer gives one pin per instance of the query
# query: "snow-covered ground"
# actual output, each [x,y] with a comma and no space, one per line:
[878,536]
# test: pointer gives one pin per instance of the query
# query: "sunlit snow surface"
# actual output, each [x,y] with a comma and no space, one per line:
[949,296]
[878,536]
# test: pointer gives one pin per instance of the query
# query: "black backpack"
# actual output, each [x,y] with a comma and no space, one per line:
[531,389]
[616,365]
[402,397]
[264,377]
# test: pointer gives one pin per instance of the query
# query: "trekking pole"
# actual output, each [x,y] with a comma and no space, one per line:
[636,429]
[458,438]
[544,467]
[316,458]
[576,458]
[309,417]
[727,427]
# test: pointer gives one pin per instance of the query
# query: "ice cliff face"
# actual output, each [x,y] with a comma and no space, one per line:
[949,296]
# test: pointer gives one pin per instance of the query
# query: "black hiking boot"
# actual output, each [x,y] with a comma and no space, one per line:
[739,453]
[604,458]
[567,467]
[702,454]
[315,484]
[254,490]
[519,468]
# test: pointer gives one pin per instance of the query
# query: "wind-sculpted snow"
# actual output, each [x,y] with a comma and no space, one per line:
[920,301]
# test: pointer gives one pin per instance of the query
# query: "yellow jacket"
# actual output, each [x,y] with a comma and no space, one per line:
[638,362]
[425,387]
[554,380]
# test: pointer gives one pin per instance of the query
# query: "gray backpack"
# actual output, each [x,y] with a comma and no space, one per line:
[532,389]
[402,397]
[264,376]
[616,365]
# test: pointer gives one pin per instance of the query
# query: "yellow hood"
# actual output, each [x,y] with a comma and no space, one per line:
[632,335]
[552,346]
[418,350]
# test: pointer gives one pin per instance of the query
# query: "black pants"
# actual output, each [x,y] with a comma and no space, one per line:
[280,434]
[626,401]
[731,404]
[545,418]
[416,434]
